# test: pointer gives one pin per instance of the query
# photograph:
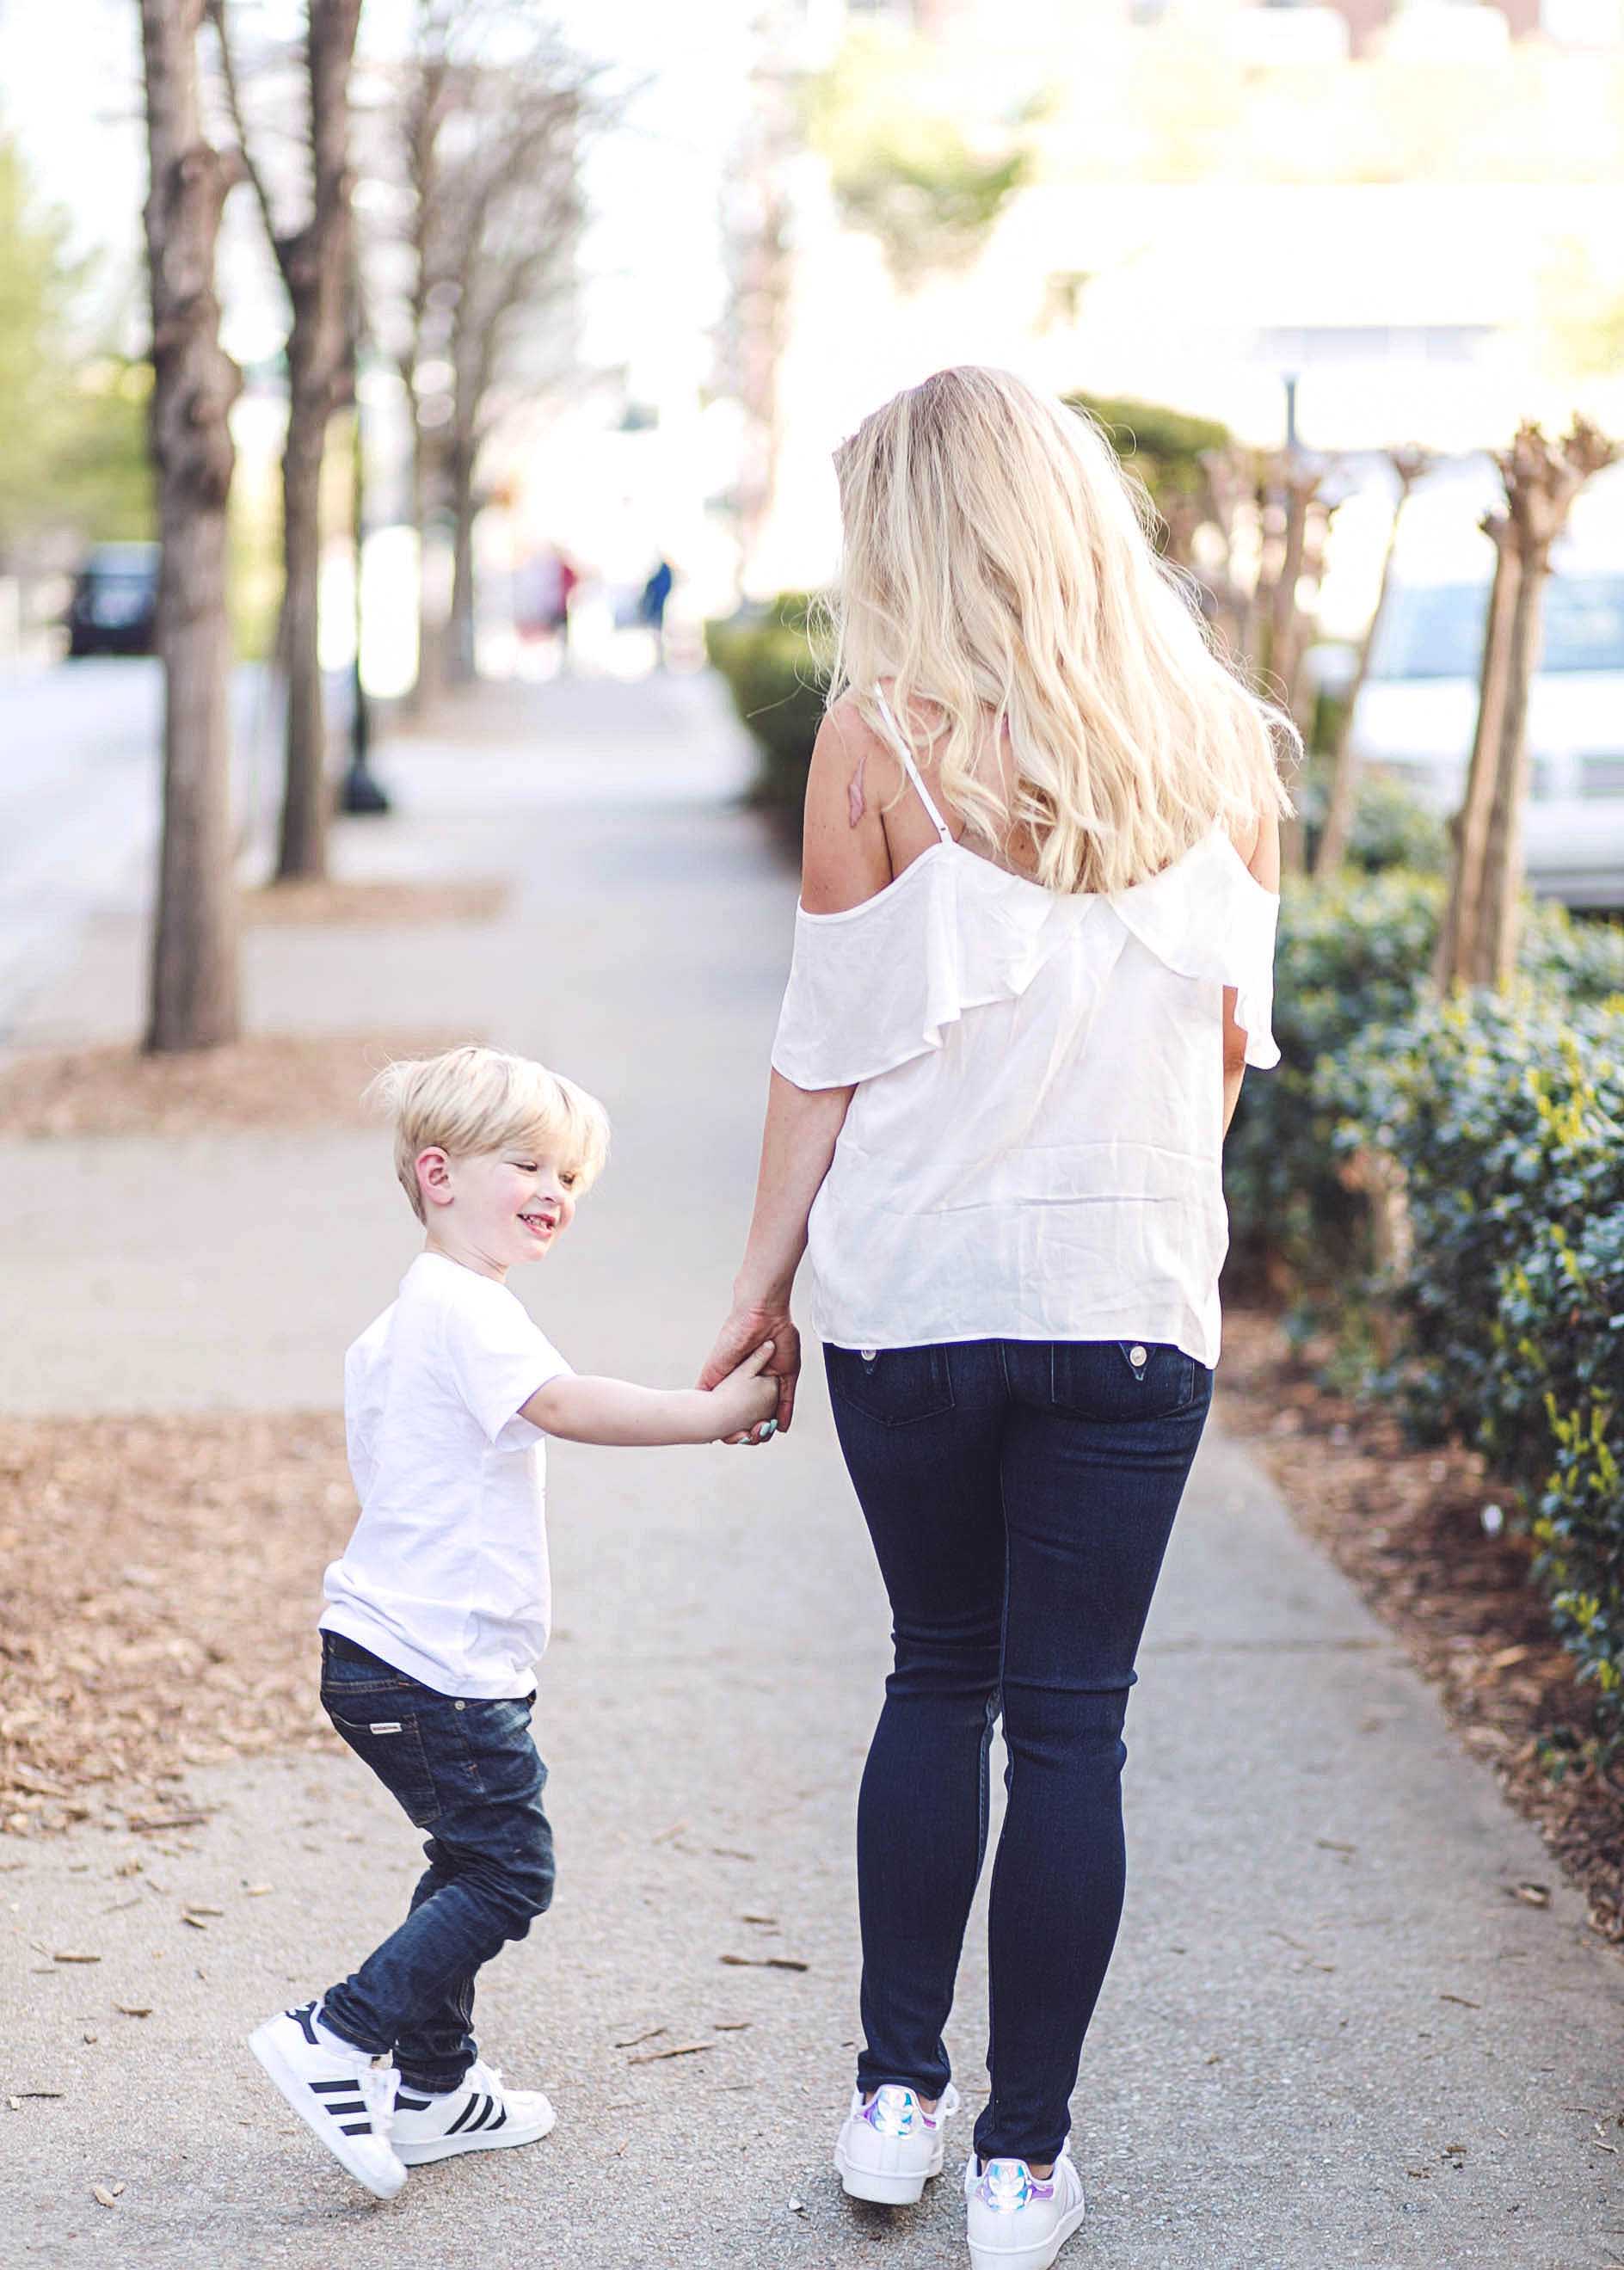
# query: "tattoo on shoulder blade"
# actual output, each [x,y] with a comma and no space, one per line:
[854,806]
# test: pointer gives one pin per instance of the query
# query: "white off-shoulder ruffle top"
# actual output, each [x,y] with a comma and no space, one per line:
[1034,1149]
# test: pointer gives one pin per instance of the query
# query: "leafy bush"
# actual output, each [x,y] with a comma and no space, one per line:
[767,656]
[1351,957]
[1392,827]
[1505,1119]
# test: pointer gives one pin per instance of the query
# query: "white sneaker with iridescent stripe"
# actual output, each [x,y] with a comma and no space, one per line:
[1015,2221]
[889,2151]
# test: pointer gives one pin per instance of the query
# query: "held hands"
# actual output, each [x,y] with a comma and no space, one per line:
[746,1328]
[745,1400]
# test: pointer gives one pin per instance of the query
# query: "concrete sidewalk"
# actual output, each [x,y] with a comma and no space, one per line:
[1331,2035]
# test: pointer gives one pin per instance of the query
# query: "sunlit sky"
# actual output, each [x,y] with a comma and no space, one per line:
[70,93]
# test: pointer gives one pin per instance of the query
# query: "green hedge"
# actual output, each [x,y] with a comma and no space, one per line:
[1496,1317]
[766,655]
[1505,1119]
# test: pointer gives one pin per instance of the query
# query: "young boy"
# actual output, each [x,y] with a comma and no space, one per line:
[439,1609]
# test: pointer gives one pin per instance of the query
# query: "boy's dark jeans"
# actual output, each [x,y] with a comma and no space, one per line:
[1020,1494]
[469,1773]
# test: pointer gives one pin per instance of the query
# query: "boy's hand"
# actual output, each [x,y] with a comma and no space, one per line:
[745,1397]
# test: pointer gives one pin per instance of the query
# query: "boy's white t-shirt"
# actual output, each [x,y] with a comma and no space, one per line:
[446,1575]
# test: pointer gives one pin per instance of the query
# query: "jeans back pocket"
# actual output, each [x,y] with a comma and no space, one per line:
[1111,1380]
[390,1741]
[894,1386]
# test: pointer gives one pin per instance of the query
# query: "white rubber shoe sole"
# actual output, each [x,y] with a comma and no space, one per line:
[1038,2255]
[369,2159]
[891,2171]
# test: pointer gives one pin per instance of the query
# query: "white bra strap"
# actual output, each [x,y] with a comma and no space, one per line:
[937,821]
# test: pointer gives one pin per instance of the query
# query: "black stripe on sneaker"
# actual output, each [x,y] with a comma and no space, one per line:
[326,2087]
[356,2127]
[500,2117]
[461,2120]
[304,2018]
[350,2111]
[403,2103]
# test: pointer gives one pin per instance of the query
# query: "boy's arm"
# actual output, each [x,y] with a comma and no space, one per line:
[616,1413]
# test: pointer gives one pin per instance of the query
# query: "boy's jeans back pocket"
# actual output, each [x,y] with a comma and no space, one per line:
[390,1741]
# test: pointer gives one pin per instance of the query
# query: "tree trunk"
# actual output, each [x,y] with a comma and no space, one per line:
[193,1001]
[303,848]
[460,658]
[1457,956]
[317,266]
[1494,954]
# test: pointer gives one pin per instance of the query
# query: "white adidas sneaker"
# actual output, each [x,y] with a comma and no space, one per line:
[1017,2223]
[344,2096]
[889,2151]
[478,2117]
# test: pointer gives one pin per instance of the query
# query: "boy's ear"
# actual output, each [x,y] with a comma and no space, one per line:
[435,1176]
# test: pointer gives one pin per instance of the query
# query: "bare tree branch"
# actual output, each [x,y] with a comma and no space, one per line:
[215,10]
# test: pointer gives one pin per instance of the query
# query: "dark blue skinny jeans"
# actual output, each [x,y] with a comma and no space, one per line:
[1020,1494]
[469,1773]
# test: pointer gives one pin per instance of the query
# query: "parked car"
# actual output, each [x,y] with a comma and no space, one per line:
[1417,711]
[115,602]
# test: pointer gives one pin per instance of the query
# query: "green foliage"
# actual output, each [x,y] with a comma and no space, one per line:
[1163,446]
[1392,828]
[773,674]
[906,165]
[1351,957]
[72,433]
[1505,1119]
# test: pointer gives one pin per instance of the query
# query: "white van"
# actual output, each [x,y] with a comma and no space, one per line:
[1417,711]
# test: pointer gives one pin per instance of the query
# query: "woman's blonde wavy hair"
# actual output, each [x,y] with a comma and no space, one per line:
[998,568]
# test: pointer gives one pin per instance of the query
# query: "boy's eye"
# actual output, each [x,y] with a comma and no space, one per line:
[569,1180]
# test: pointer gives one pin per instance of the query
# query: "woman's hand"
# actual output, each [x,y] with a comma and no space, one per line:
[748,1325]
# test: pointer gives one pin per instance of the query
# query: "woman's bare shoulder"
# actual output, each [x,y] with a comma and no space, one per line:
[1259,845]
[853,764]
[844,856]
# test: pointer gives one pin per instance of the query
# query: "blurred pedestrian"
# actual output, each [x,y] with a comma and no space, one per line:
[652,603]
[1033,957]
[569,578]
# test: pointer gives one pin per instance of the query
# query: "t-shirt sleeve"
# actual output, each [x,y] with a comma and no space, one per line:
[498,1358]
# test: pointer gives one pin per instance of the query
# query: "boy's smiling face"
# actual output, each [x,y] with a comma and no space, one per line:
[492,1209]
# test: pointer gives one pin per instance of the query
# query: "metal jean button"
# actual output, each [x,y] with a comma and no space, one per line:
[1139,1355]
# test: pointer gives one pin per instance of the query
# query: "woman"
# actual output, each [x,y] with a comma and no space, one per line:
[1033,957]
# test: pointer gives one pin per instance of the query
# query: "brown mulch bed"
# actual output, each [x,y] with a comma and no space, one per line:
[162,1577]
[374,905]
[269,1079]
[1407,1526]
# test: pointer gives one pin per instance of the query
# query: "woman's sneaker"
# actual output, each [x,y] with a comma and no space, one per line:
[478,2117]
[889,2150]
[1017,2223]
[344,2096]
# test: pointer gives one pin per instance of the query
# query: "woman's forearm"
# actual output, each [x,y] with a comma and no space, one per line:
[797,1144]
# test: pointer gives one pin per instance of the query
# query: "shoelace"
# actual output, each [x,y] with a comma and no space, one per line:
[378,2084]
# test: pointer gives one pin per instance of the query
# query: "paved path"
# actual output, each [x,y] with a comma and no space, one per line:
[1332,2035]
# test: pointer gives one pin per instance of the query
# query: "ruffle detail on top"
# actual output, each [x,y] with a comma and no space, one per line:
[875,986]
[1208,917]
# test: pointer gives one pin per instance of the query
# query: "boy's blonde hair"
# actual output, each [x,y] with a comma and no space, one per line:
[473,1100]
[999,567]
